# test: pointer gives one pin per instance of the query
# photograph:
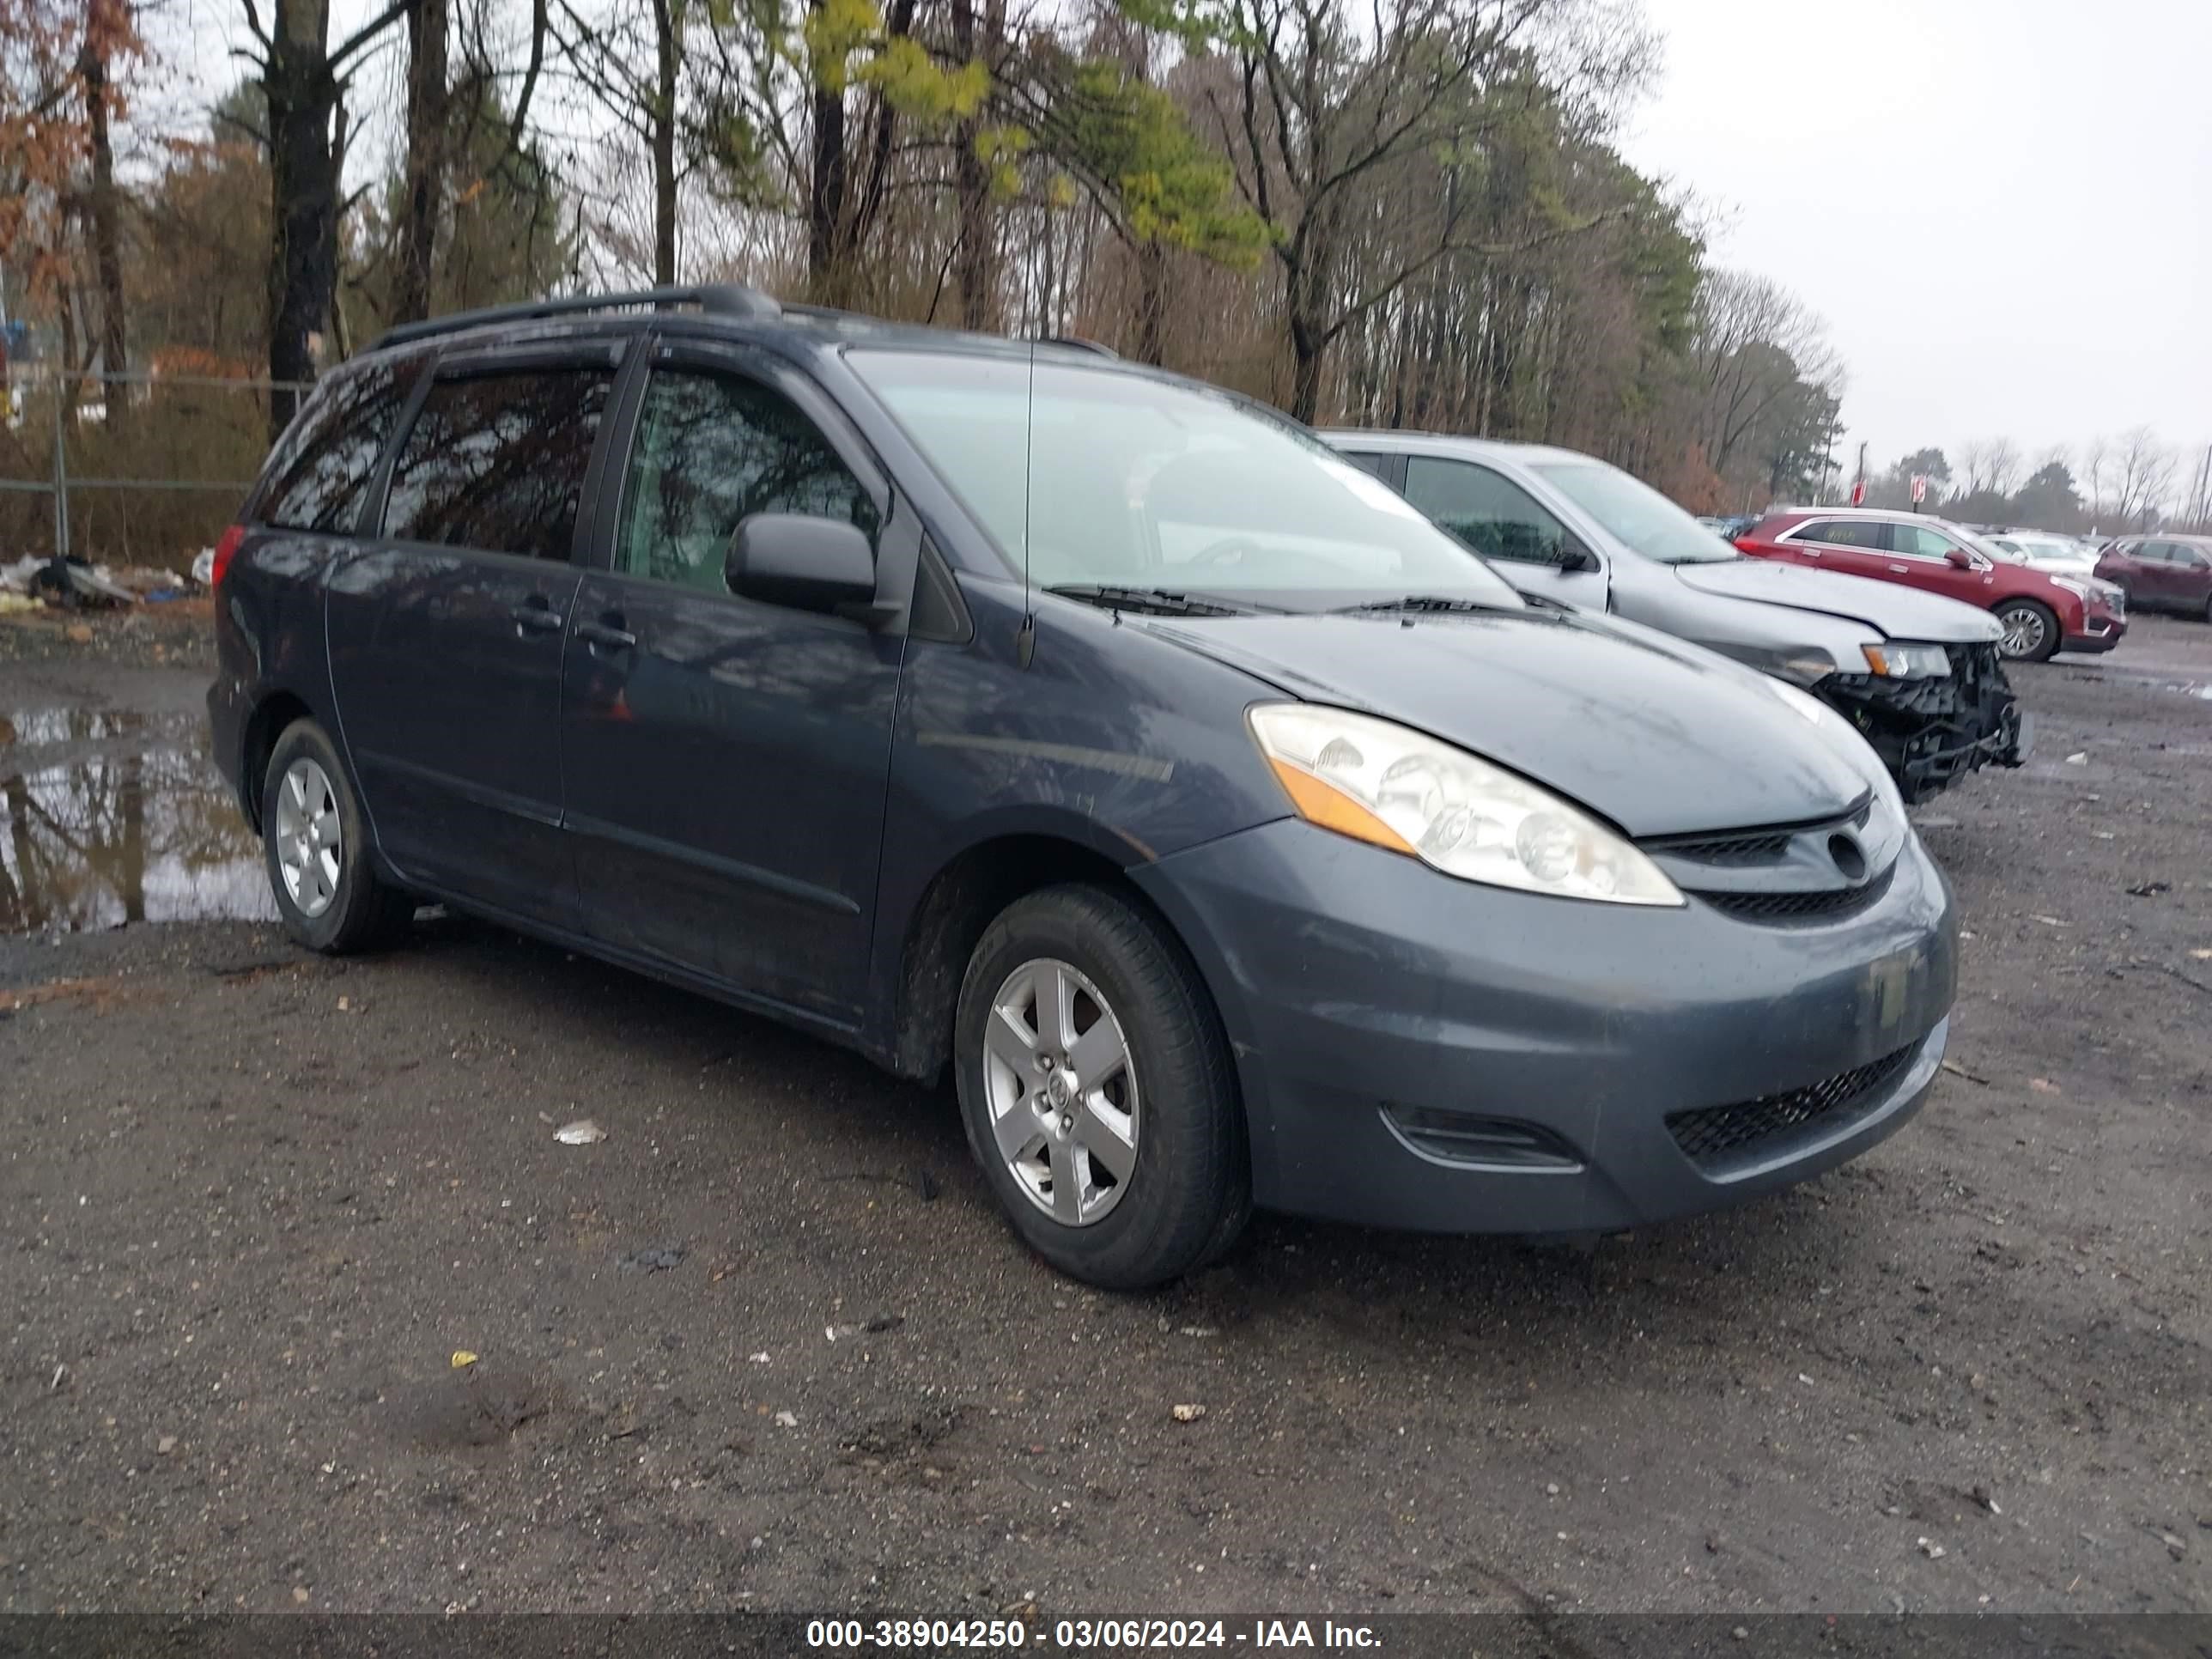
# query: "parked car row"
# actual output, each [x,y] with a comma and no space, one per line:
[1226,832]
[2040,613]
[1918,678]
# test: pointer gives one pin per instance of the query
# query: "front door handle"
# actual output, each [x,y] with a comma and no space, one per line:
[608,632]
[536,615]
[1900,570]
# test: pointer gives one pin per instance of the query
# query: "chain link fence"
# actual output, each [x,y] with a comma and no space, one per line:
[138,470]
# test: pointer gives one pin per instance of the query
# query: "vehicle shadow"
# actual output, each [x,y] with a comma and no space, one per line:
[1690,1284]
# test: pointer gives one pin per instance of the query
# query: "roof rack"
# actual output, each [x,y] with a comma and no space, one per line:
[716,299]
[1077,342]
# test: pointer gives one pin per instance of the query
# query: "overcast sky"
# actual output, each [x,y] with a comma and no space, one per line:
[2004,208]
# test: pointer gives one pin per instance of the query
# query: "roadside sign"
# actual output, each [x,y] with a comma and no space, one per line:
[1858,492]
[1919,488]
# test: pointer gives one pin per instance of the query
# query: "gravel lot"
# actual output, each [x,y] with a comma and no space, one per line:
[767,1344]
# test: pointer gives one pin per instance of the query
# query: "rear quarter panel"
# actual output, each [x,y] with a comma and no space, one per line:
[269,633]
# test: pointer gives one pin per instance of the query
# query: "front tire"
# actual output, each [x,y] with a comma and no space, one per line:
[2031,631]
[315,843]
[1096,1086]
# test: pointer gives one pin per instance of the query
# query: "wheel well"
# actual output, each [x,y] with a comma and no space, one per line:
[959,903]
[271,716]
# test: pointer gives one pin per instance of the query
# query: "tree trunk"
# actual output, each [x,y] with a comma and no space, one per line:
[303,196]
[1152,303]
[670,60]
[107,238]
[977,261]
[826,188]
[428,29]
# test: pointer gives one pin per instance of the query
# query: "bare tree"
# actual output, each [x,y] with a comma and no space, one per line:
[2004,465]
[1757,345]
[2146,475]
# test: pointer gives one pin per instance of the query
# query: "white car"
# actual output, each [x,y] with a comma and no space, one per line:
[2041,549]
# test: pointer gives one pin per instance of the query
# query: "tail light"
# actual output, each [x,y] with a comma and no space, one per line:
[223,551]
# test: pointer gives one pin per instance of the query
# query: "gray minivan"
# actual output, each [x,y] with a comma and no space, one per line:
[1917,674]
[1226,833]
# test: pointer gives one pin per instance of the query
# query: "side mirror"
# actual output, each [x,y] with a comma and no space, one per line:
[803,563]
[1577,558]
[1958,559]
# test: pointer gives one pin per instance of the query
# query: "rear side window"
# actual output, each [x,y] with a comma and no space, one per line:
[323,474]
[1840,533]
[497,461]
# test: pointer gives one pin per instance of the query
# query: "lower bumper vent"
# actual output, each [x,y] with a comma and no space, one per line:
[1713,1136]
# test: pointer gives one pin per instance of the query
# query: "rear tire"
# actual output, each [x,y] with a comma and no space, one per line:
[315,845]
[1097,1090]
[2031,630]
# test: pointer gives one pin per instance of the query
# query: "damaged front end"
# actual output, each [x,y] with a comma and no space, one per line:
[1931,732]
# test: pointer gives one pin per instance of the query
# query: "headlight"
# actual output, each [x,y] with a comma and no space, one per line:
[1400,789]
[1908,662]
[1807,666]
[2080,590]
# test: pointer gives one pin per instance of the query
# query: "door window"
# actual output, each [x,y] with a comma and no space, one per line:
[323,476]
[2157,553]
[1917,541]
[1495,517]
[1368,461]
[712,450]
[2190,558]
[1841,532]
[497,461]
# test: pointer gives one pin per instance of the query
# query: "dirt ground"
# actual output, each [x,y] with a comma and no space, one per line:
[767,1344]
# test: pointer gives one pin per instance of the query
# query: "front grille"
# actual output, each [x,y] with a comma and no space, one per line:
[1828,904]
[1731,849]
[1714,1136]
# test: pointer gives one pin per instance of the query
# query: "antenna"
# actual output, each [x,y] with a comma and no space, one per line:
[1025,637]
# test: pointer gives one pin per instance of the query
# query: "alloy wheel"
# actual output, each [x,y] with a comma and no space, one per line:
[1062,1091]
[310,837]
[2023,632]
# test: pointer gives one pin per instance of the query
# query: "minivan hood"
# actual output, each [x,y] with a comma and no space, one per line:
[1658,737]
[1900,612]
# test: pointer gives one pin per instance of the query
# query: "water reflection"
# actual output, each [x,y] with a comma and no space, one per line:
[111,816]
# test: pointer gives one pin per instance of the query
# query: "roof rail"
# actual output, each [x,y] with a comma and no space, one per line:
[716,299]
[1077,342]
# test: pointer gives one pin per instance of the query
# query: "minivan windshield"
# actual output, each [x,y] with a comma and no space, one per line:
[1635,514]
[1134,485]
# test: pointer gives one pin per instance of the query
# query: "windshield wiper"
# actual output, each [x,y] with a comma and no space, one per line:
[1435,602]
[1153,601]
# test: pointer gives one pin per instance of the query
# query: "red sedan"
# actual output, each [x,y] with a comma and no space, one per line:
[2042,613]
[2162,572]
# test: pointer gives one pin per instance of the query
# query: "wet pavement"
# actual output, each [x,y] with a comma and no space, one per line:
[114,816]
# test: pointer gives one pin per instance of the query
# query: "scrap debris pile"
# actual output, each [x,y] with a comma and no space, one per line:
[31,583]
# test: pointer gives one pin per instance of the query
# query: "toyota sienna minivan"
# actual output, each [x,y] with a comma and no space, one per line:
[1231,834]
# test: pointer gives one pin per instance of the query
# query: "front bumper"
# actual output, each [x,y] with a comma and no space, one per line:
[2101,633]
[1931,732]
[1611,1065]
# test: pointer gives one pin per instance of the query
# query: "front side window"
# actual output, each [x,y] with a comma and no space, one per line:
[1635,514]
[711,450]
[497,461]
[323,476]
[1097,477]
[1917,541]
[2190,558]
[1489,513]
